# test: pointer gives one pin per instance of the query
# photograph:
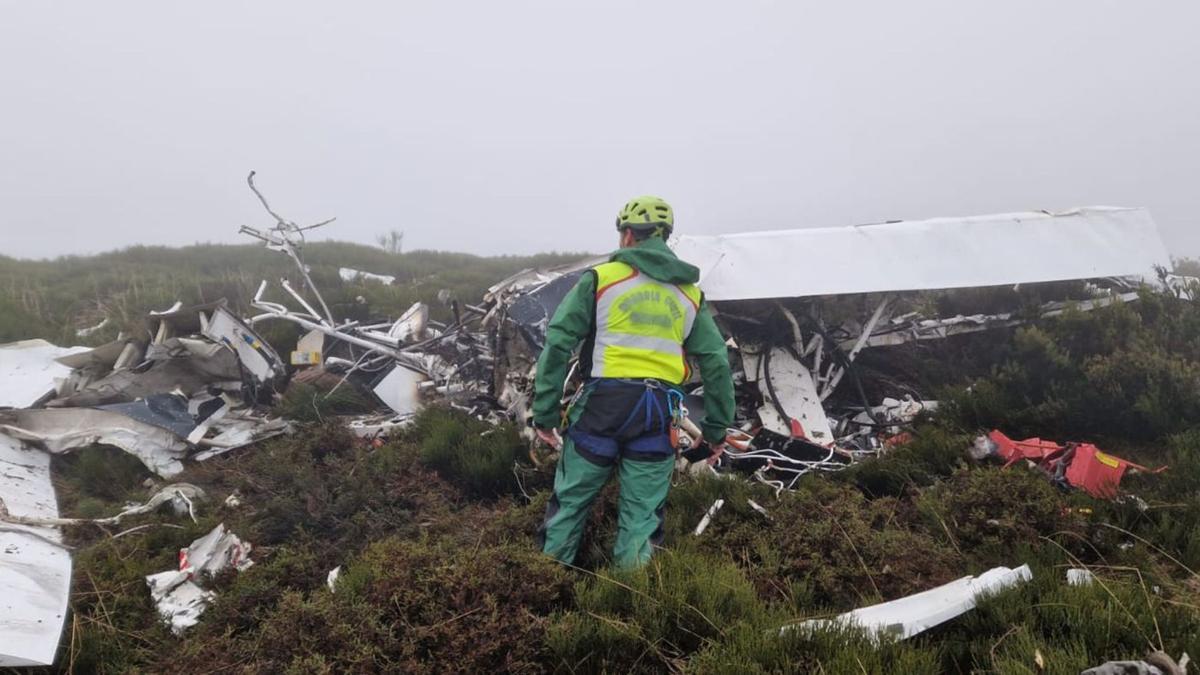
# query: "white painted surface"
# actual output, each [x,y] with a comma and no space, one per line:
[28,370]
[35,572]
[994,250]
[230,331]
[350,274]
[905,617]
[797,392]
[399,390]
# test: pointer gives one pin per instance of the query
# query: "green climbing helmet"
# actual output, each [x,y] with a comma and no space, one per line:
[647,213]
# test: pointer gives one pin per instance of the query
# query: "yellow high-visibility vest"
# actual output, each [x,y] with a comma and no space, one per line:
[641,325]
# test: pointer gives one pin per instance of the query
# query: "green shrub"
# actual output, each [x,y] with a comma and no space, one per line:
[826,544]
[830,650]
[932,454]
[1128,371]
[652,619]
[476,456]
[993,513]
[306,403]
[93,482]
[1075,627]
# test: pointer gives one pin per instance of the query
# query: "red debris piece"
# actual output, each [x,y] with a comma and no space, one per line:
[1034,449]
[1081,465]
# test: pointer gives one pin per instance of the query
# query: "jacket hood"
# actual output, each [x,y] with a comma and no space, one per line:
[652,257]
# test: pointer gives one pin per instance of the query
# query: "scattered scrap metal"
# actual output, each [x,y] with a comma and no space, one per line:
[179,593]
[188,390]
[195,385]
[1076,465]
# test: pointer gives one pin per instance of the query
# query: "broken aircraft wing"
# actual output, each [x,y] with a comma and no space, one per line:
[939,253]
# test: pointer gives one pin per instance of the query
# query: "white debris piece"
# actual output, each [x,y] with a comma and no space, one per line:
[309,349]
[758,507]
[704,522]
[897,411]
[905,617]
[35,569]
[350,274]
[332,578]
[411,325]
[239,428]
[28,370]
[939,253]
[181,497]
[59,430]
[378,426]
[1078,576]
[180,602]
[787,385]
[178,594]
[257,356]
[170,310]
[400,389]
[84,332]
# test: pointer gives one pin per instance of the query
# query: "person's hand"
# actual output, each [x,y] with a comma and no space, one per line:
[550,437]
[717,451]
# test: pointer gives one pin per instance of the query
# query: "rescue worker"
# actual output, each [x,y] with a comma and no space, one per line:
[638,317]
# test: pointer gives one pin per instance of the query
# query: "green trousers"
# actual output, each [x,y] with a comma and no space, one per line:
[644,484]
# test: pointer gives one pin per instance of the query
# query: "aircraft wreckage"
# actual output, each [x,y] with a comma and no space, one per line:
[799,308]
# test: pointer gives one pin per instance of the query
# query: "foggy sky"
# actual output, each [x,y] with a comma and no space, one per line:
[519,126]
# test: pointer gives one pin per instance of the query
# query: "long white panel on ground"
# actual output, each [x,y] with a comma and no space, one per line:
[35,571]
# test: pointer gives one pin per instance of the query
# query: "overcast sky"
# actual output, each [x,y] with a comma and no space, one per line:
[519,126]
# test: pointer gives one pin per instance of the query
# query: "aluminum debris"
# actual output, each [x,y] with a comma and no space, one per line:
[1080,576]
[60,430]
[1155,663]
[1036,246]
[179,594]
[35,568]
[908,616]
[30,371]
[195,383]
[708,516]
[353,275]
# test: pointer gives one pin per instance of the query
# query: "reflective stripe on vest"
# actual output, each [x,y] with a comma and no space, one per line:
[641,325]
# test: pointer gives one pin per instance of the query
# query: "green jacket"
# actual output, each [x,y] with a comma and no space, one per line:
[574,321]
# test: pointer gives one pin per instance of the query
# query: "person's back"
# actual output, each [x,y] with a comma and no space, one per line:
[638,317]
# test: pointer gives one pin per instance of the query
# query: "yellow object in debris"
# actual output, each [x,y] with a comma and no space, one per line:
[306,358]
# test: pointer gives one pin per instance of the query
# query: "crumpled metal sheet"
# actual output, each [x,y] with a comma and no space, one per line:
[533,309]
[35,569]
[165,411]
[188,375]
[238,428]
[62,429]
[994,250]
[178,594]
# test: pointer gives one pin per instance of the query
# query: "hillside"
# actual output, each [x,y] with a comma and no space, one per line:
[434,530]
[54,298]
